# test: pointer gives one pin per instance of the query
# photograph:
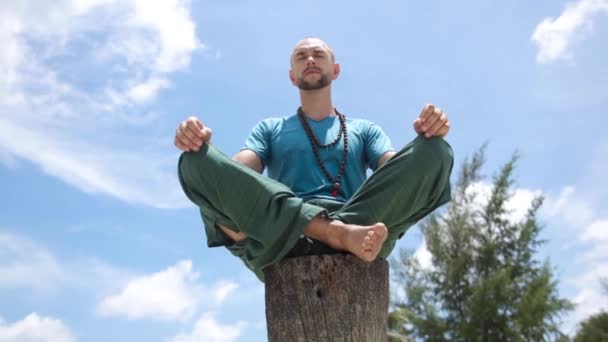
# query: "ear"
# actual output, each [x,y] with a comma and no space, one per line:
[292,77]
[336,71]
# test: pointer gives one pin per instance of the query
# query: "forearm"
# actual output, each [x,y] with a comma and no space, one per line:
[249,159]
[385,157]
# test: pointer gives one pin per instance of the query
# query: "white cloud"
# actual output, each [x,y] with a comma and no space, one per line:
[172,294]
[35,328]
[594,252]
[176,32]
[96,275]
[147,90]
[77,75]
[517,206]
[23,263]
[521,201]
[569,207]
[135,175]
[423,255]
[587,228]
[167,295]
[556,36]
[590,298]
[596,232]
[208,329]
[222,290]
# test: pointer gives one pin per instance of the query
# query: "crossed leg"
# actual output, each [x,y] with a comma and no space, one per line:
[260,220]
[364,242]
[408,187]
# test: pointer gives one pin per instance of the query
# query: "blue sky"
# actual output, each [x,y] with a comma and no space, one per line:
[97,242]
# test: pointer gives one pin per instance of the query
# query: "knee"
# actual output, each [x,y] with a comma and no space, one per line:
[435,145]
[191,161]
[436,148]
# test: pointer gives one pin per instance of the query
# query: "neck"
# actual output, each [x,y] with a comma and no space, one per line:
[316,104]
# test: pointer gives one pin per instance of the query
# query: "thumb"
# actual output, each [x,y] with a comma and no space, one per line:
[207,132]
[418,125]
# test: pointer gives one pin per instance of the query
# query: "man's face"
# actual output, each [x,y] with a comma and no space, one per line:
[312,65]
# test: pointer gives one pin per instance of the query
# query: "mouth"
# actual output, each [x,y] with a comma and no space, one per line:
[312,71]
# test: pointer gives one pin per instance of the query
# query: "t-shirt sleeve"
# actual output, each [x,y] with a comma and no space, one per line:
[377,143]
[259,141]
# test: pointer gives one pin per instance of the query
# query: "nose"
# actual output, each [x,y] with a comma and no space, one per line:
[310,61]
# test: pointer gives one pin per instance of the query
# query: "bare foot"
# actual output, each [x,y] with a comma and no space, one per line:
[364,242]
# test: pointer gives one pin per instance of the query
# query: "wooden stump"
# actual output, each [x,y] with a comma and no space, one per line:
[324,298]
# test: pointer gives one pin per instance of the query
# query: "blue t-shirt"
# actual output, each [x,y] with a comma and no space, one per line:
[286,152]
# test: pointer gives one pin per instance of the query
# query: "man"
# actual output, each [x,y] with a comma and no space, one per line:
[316,198]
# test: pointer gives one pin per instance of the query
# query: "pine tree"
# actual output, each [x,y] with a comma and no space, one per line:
[593,329]
[485,283]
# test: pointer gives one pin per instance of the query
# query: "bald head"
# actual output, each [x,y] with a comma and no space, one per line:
[313,65]
[312,43]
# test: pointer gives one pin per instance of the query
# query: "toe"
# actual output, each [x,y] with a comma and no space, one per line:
[366,242]
[380,231]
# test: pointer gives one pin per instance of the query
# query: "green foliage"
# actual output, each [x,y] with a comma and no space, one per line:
[484,283]
[593,329]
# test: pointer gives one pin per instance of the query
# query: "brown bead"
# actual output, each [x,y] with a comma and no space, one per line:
[314,142]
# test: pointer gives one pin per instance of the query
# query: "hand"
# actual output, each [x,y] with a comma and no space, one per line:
[191,134]
[432,122]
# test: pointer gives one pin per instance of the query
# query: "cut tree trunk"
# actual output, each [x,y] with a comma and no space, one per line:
[324,298]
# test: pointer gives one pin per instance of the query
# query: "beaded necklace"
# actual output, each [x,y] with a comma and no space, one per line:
[314,142]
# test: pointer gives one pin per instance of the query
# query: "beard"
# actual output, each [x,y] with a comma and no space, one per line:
[322,82]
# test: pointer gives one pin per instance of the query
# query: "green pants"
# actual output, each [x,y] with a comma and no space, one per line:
[408,187]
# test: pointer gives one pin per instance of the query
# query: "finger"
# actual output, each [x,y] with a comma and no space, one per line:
[187,142]
[206,134]
[443,131]
[426,112]
[437,119]
[441,121]
[198,122]
[189,139]
[195,126]
[431,119]
[194,135]
[181,145]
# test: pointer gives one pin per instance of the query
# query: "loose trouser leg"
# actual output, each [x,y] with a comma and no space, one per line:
[243,200]
[408,187]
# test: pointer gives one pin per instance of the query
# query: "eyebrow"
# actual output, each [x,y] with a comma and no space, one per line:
[316,50]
